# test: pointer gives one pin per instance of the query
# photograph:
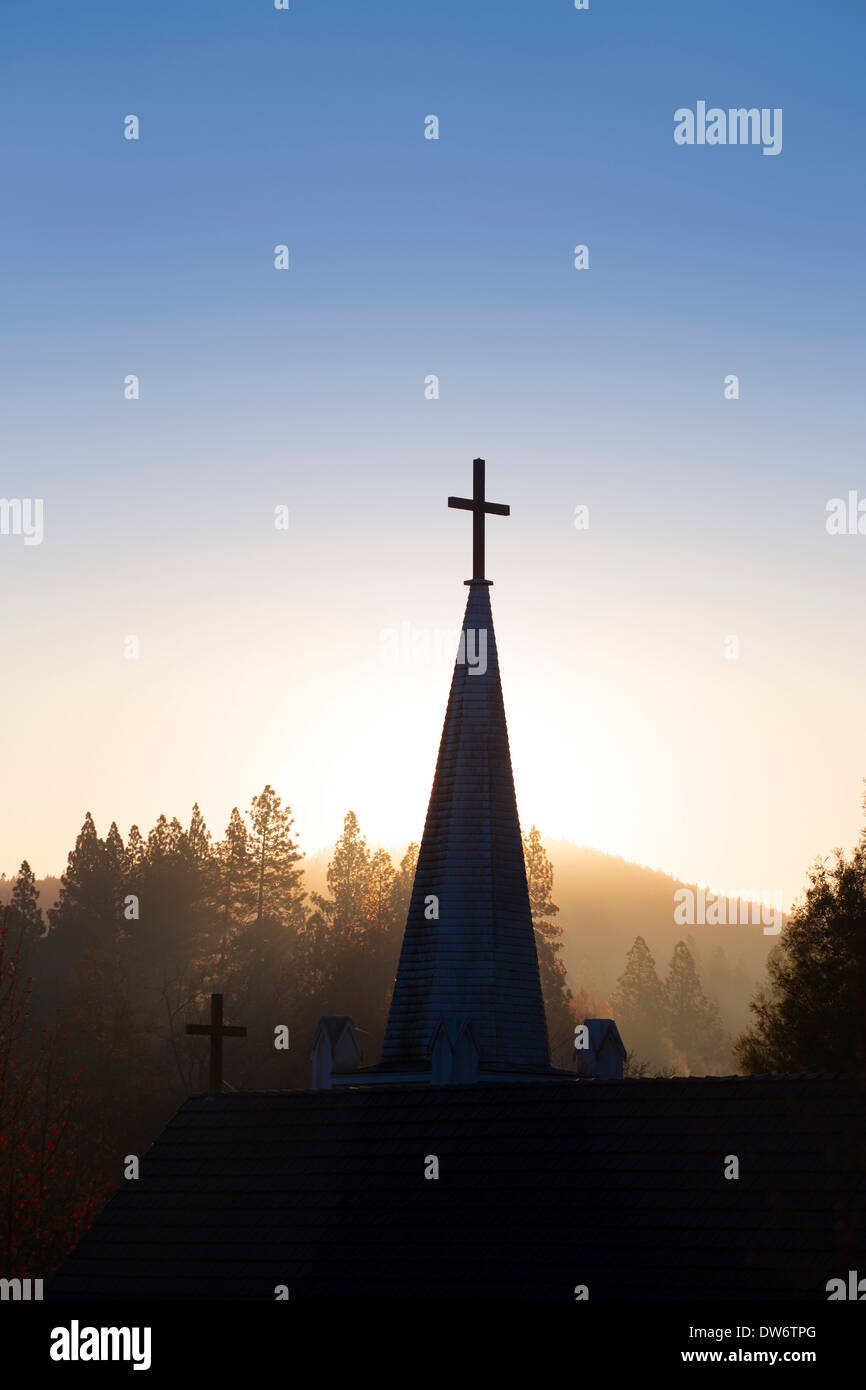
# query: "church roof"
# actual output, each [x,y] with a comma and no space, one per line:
[476,956]
[616,1185]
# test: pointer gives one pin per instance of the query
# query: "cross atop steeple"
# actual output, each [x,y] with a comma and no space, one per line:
[479,507]
[216,1030]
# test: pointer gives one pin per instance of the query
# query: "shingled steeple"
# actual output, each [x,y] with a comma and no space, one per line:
[468,975]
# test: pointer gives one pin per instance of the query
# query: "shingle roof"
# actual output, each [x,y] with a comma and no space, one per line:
[618,1185]
[478,958]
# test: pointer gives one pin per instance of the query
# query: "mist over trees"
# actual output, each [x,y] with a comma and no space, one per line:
[670,1027]
[606,901]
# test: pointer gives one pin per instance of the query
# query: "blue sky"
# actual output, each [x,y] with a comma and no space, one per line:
[305,387]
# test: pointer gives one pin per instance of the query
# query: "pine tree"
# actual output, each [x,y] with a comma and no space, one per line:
[348,877]
[261,948]
[548,944]
[404,884]
[404,880]
[88,913]
[694,1028]
[275,854]
[197,879]
[162,841]
[197,840]
[115,853]
[381,935]
[810,1015]
[346,948]
[236,884]
[638,1006]
[25,915]
[377,903]
[134,852]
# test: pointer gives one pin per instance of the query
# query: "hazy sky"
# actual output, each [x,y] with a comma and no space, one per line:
[261,650]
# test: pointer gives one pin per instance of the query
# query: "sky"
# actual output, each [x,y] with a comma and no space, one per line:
[268,655]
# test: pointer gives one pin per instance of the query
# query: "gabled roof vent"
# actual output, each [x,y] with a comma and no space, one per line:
[335,1049]
[604,1053]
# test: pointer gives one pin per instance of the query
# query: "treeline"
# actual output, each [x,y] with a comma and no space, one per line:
[144,930]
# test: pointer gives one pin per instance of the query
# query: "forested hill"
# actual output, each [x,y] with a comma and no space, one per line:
[605,902]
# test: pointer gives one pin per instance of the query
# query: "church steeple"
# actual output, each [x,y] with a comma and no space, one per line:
[468,975]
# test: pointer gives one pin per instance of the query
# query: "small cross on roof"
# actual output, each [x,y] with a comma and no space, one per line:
[216,1030]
